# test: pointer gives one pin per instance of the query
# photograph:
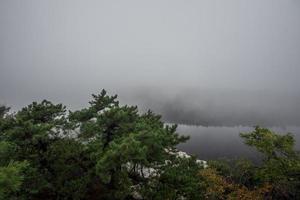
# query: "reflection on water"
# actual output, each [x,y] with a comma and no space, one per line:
[219,142]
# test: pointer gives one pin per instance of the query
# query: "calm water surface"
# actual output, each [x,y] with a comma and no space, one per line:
[220,142]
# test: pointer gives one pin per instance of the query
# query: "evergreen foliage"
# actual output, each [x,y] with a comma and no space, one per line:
[112,151]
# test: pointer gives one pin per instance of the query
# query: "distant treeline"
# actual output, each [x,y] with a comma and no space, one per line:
[109,151]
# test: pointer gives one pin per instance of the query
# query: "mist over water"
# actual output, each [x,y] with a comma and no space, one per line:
[224,142]
[222,65]
[220,107]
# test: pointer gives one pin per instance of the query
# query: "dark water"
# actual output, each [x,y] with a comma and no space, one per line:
[223,142]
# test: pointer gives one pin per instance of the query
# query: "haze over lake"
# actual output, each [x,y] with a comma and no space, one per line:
[224,142]
[208,63]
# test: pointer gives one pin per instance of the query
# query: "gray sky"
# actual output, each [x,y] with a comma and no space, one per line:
[211,62]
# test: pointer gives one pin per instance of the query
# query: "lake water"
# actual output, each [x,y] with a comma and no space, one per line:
[223,142]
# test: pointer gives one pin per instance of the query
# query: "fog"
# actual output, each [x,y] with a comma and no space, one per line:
[202,62]
[221,107]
